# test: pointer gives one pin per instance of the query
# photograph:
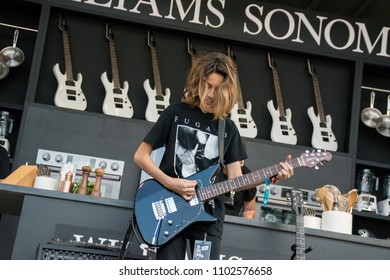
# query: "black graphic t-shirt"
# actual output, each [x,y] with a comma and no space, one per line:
[190,138]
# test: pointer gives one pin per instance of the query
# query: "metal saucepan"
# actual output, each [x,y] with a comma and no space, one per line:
[384,128]
[4,69]
[12,56]
[371,116]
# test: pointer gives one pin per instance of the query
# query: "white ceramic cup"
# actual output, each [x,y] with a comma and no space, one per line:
[312,222]
[46,183]
[337,221]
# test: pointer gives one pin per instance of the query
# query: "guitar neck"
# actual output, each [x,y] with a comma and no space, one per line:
[114,64]
[248,180]
[156,72]
[278,92]
[240,101]
[320,108]
[68,60]
[300,238]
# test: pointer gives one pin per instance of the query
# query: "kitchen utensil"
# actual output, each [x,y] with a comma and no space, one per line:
[371,116]
[352,198]
[4,70]
[320,193]
[12,56]
[384,128]
[329,200]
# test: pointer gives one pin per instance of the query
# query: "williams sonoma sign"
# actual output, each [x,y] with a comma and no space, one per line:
[253,22]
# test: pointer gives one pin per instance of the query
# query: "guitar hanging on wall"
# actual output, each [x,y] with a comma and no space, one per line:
[298,208]
[282,130]
[161,214]
[69,93]
[116,101]
[157,102]
[240,115]
[323,136]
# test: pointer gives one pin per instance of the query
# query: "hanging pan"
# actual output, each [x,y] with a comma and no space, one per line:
[12,56]
[371,116]
[384,128]
[4,69]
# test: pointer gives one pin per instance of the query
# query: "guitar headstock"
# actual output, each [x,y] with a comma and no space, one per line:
[230,53]
[151,42]
[271,62]
[190,47]
[312,159]
[297,202]
[109,33]
[62,23]
[312,71]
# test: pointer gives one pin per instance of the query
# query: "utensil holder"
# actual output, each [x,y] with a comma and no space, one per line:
[337,221]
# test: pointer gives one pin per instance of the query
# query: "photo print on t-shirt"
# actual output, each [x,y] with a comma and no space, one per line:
[195,150]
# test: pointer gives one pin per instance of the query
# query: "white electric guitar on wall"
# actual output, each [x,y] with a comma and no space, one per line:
[240,115]
[323,136]
[69,93]
[282,130]
[157,102]
[116,101]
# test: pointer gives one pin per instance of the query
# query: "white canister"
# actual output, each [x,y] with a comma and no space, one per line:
[46,183]
[312,222]
[337,221]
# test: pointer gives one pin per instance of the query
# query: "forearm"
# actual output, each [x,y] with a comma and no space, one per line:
[249,209]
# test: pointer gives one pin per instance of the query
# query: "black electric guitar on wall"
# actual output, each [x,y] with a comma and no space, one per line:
[69,93]
[157,101]
[240,115]
[282,130]
[298,208]
[161,214]
[116,101]
[323,136]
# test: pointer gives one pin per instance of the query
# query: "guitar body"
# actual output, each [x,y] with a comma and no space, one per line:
[322,137]
[116,101]
[156,103]
[161,214]
[282,130]
[69,93]
[244,121]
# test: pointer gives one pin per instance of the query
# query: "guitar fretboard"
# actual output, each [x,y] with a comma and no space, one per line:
[114,65]
[248,180]
[317,93]
[156,71]
[300,238]
[68,60]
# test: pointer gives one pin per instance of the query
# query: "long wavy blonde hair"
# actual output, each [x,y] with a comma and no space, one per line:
[196,85]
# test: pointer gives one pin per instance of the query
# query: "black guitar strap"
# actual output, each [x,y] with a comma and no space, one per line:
[221,141]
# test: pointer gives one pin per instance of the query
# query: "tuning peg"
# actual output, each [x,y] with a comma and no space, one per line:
[316,167]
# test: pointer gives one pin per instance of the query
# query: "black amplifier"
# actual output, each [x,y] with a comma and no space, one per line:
[47,251]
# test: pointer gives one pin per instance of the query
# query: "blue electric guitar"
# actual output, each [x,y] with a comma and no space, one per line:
[160,214]
[157,101]
[116,101]
[322,136]
[69,93]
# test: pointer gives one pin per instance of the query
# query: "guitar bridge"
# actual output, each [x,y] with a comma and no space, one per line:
[159,209]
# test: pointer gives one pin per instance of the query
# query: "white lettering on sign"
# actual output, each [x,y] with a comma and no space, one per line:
[259,21]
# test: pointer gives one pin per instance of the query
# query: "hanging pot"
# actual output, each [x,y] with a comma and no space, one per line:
[384,128]
[12,56]
[371,116]
[4,69]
